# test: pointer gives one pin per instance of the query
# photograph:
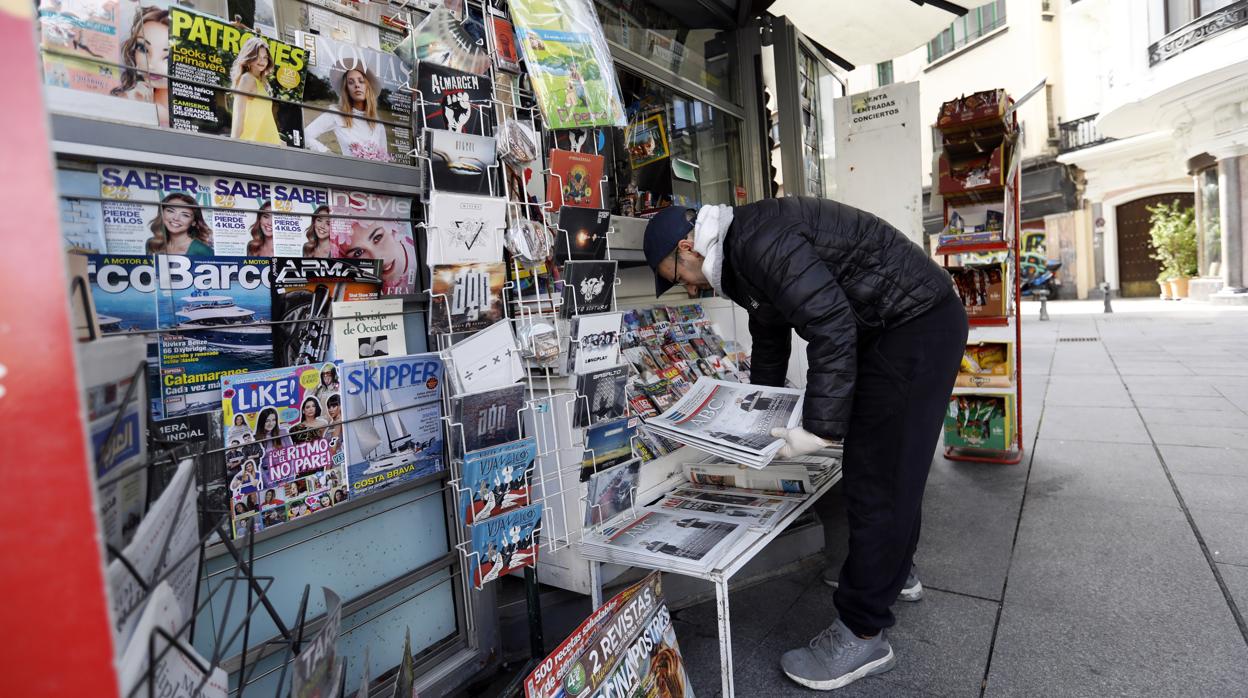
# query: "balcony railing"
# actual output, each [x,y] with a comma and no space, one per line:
[1080,133]
[1198,31]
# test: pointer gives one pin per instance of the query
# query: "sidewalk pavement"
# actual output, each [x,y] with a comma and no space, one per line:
[1112,560]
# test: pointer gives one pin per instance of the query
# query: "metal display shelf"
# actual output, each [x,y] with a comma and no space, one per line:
[96,139]
[1008,194]
[730,561]
[994,246]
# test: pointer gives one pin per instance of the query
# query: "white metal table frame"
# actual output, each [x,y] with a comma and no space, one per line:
[731,561]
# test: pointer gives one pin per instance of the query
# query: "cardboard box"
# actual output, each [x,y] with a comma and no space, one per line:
[983,422]
[987,365]
[965,177]
[982,288]
[980,109]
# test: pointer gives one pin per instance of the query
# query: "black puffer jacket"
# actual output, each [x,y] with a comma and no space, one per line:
[830,271]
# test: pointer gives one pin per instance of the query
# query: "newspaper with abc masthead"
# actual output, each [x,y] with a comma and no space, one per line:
[731,420]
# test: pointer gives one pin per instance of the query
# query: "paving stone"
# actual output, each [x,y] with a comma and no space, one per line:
[1233,419]
[753,610]
[1236,579]
[1152,368]
[1107,424]
[1225,534]
[1226,493]
[963,501]
[1096,598]
[1123,649]
[1111,553]
[1088,469]
[1170,385]
[1087,391]
[1188,435]
[941,642]
[1208,460]
[1186,402]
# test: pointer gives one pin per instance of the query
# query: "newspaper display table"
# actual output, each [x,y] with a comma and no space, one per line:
[729,562]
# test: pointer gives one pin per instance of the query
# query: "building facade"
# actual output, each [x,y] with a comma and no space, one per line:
[1165,117]
[1144,102]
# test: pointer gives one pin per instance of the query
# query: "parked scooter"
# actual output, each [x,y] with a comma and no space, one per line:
[1038,274]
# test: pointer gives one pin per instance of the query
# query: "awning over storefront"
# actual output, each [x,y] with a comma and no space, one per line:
[870,31]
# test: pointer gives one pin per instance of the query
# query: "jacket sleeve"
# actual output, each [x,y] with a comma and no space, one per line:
[789,271]
[769,358]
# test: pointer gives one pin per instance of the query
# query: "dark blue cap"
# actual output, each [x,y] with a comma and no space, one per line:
[663,233]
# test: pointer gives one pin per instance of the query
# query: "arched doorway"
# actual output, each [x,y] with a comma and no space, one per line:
[1137,270]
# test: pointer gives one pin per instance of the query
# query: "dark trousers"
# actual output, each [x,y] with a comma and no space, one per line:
[905,377]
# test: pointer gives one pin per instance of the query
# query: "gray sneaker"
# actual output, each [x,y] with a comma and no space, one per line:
[837,657]
[912,591]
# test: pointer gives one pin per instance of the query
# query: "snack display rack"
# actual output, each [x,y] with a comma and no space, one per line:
[977,168]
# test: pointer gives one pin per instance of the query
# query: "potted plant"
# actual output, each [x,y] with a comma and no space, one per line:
[1173,233]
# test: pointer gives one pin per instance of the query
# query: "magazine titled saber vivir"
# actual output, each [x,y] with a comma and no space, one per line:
[731,420]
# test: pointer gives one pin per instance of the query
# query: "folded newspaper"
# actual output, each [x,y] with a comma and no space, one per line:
[731,420]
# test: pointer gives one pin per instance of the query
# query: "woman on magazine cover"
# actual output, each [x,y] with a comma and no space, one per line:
[252,104]
[311,425]
[333,405]
[319,243]
[354,126]
[269,430]
[145,57]
[329,382]
[261,242]
[372,240]
[180,228]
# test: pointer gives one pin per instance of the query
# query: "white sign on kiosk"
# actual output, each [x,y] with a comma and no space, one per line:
[878,158]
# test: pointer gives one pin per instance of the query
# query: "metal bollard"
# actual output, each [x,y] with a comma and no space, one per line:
[1043,293]
[1105,288]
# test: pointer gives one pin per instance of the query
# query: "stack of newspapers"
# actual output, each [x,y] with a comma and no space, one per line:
[731,420]
[692,527]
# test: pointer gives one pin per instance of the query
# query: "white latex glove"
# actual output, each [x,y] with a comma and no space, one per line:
[799,442]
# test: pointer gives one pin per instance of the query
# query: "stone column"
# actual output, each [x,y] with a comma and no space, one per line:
[1231,209]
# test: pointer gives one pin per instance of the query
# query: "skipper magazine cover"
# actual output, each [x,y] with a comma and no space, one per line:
[304,291]
[376,226]
[466,297]
[627,647]
[263,80]
[504,543]
[356,102]
[452,100]
[368,329]
[495,480]
[220,309]
[288,422]
[123,292]
[394,420]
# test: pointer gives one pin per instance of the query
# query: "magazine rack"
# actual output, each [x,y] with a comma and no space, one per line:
[728,562]
[982,134]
